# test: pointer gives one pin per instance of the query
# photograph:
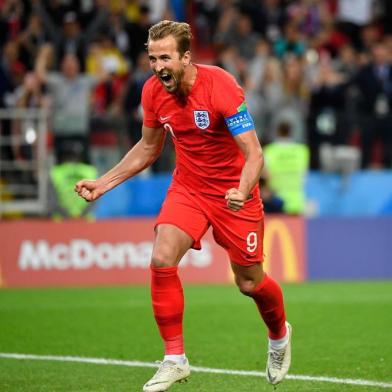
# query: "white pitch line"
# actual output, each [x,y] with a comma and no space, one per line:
[196,369]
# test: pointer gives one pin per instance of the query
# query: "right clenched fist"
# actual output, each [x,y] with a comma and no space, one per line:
[90,190]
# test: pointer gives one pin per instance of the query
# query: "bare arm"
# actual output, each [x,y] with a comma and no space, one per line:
[142,155]
[42,62]
[251,171]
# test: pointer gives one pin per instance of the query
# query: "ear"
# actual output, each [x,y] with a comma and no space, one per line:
[186,58]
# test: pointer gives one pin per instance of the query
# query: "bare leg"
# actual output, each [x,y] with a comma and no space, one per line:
[170,245]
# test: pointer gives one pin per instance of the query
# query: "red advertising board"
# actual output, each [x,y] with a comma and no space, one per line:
[72,253]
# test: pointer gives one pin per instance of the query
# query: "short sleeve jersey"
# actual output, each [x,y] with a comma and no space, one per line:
[208,160]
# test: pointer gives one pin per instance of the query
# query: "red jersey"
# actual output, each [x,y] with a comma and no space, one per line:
[208,160]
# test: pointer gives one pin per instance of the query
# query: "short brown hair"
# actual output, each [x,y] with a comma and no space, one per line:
[179,30]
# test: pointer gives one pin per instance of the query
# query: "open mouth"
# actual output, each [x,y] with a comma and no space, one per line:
[167,79]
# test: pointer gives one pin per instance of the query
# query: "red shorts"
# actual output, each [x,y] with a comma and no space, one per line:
[240,233]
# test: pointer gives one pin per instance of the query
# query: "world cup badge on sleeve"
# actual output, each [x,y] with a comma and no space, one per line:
[202,120]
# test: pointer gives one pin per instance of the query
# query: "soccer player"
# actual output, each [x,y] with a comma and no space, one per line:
[215,183]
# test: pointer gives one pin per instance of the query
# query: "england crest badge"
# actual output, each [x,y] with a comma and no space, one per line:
[202,120]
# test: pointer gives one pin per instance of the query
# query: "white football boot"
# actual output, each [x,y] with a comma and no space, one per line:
[279,360]
[169,373]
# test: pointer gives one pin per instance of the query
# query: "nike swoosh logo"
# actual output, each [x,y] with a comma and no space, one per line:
[164,118]
[271,379]
[150,384]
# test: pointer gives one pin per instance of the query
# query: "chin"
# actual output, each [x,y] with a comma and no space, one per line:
[171,90]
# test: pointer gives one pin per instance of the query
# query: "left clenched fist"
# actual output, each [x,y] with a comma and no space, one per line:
[235,199]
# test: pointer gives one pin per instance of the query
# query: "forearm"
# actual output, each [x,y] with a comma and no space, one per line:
[136,160]
[251,172]
[42,61]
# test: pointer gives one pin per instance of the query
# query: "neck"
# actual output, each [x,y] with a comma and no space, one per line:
[189,78]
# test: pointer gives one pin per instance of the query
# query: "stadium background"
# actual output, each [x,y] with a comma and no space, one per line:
[301,62]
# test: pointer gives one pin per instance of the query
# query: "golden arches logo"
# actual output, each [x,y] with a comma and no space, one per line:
[1,278]
[276,229]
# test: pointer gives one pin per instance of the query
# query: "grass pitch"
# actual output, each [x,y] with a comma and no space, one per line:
[340,330]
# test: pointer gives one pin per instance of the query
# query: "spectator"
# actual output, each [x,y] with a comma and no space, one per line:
[12,72]
[70,93]
[346,62]
[132,97]
[69,38]
[309,16]
[374,82]
[107,94]
[272,93]
[31,39]
[104,57]
[287,164]
[13,68]
[6,84]
[131,9]
[63,203]
[117,30]
[268,17]
[159,9]
[30,95]
[352,18]
[275,48]
[370,35]
[109,66]
[328,40]
[257,66]
[294,100]
[138,33]
[272,204]
[240,36]
[387,19]
[292,42]
[207,14]
[327,114]
[12,15]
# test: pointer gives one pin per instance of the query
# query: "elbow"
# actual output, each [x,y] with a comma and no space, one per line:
[152,159]
[151,153]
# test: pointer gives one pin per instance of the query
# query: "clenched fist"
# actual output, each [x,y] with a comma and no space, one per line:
[90,190]
[235,199]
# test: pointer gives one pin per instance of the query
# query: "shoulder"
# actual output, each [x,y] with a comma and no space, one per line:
[226,95]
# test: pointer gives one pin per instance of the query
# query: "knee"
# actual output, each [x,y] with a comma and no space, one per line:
[161,259]
[246,286]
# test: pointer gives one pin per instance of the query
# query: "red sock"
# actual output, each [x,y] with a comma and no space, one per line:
[269,300]
[168,305]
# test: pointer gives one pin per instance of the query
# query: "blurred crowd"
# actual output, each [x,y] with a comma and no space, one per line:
[321,66]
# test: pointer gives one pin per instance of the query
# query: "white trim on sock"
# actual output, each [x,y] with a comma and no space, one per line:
[278,344]
[178,358]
